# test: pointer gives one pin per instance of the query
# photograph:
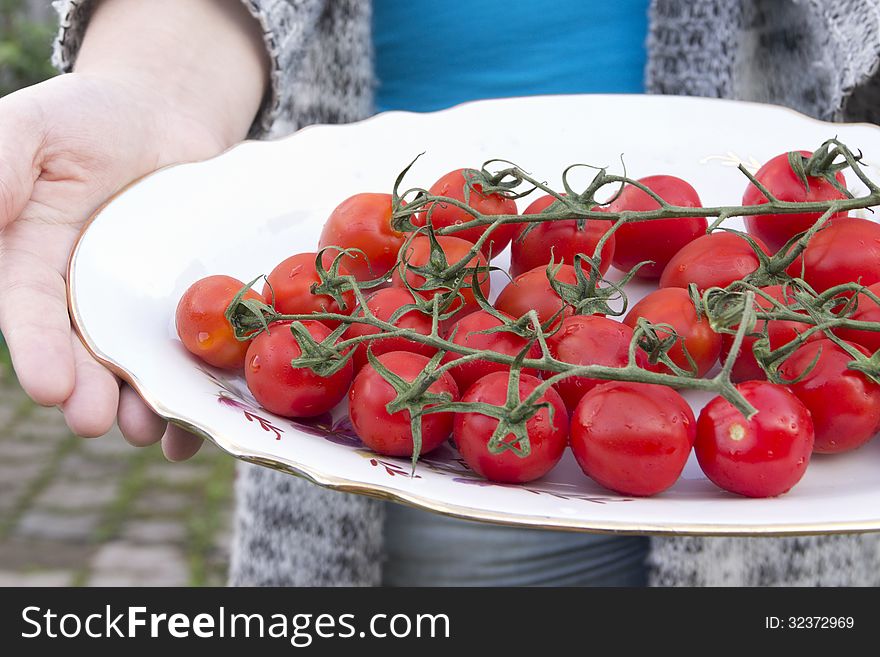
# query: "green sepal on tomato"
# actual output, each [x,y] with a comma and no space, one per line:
[781,180]
[539,244]
[292,391]
[460,185]
[547,432]
[844,403]
[384,304]
[201,321]
[589,340]
[779,333]
[290,284]
[470,331]
[674,306]
[391,433]
[420,255]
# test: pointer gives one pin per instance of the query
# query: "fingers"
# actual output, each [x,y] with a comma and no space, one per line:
[20,144]
[35,324]
[140,426]
[178,444]
[91,408]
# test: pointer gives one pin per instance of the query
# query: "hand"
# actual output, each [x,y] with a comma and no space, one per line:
[66,146]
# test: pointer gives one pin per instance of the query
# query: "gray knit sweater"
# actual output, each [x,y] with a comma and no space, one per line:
[817,56]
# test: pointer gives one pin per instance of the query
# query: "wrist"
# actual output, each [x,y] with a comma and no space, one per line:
[200,63]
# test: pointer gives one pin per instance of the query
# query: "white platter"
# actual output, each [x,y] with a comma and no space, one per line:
[260,202]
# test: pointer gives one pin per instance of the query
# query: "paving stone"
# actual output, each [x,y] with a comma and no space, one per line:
[15,451]
[154,531]
[26,555]
[42,426]
[73,495]
[158,502]
[20,472]
[48,578]
[82,467]
[113,444]
[55,526]
[160,565]
[177,474]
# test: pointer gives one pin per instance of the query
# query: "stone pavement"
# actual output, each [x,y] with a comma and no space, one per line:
[102,513]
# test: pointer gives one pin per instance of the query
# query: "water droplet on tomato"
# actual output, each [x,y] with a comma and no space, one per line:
[204,338]
[255,364]
[295,271]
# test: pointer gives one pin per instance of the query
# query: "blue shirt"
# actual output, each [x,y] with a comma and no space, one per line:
[432,55]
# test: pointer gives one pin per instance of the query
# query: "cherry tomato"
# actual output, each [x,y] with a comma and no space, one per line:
[455,250]
[548,434]
[780,332]
[286,390]
[761,457]
[633,438]
[846,251]
[779,178]
[391,433]
[867,311]
[657,240]
[589,340]
[532,291]
[202,325]
[674,306]
[845,404]
[467,333]
[383,304]
[291,282]
[715,260]
[559,240]
[363,221]
[453,186]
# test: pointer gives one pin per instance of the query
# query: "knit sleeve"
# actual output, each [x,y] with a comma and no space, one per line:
[286,27]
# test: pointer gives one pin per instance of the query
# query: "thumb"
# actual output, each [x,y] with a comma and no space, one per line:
[21,139]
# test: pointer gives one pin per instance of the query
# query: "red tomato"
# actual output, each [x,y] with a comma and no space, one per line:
[657,240]
[868,311]
[383,304]
[291,282]
[391,433]
[532,291]
[559,240]
[547,435]
[780,332]
[589,340]
[777,176]
[202,324]
[633,438]
[846,251]
[453,186]
[673,306]
[363,222]
[761,457]
[467,333]
[845,404]
[286,390]
[715,260]
[455,250]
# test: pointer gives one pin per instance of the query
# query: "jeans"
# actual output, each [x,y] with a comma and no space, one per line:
[426,549]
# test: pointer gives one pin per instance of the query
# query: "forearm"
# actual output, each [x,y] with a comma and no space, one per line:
[203,58]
